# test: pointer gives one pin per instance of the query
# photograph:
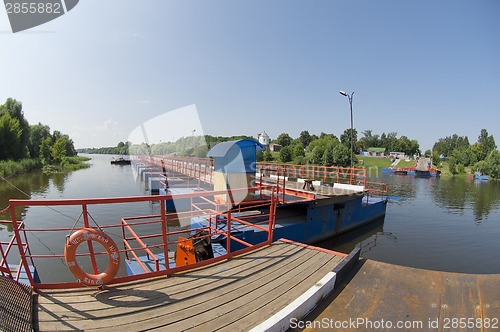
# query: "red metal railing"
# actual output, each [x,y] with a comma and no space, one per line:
[197,170]
[136,232]
[325,174]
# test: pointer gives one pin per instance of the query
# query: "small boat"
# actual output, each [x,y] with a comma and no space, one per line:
[480,177]
[387,170]
[401,172]
[422,174]
[120,161]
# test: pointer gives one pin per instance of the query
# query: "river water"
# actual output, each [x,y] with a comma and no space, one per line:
[447,224]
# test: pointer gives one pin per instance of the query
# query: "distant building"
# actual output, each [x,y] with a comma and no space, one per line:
[376,152]
[398,155]
[263,138]
[275,147]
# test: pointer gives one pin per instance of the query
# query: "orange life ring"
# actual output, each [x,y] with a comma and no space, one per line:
[86,234]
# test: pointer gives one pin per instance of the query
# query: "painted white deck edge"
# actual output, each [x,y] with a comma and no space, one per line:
[300,307]
[348,187]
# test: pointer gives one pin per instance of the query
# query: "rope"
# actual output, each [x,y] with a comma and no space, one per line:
[48,248]
[14,186]
[28,196]
[57,211]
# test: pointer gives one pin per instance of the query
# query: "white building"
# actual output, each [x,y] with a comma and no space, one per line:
[263,138]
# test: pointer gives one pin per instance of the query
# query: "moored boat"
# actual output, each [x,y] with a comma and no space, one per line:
[120,161]
[480,177]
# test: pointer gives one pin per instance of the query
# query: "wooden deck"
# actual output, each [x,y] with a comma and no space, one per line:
[234,295]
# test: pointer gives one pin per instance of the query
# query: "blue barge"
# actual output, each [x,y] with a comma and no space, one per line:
[311,203]
[307,221]
[315,202]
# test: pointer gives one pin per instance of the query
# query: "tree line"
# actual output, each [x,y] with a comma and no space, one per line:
[325,149]
[482,156]
[20,140]
[121,148]
[328,149]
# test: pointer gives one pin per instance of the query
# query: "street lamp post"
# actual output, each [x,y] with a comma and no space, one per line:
[343,93]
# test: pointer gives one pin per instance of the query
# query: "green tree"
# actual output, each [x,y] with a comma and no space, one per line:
[369,141]
[283,139]
[452,165]
[463,156]
[328,159]
[446,145]
[345,138]
[10,137]
[298,150]
[342,155]
[481,167]
[408,146]
[323,143]
[37,133]
[58,150]
[316,156]
[486,145]
[493,162]
[69,147]
[389,141]
[268,156]
[436,160]
[260,155]
[305,138]
[286,154]
[46,150]
[200,151]
[15,109]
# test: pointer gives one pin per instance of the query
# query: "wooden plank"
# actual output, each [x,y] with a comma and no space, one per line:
[284,294]
[198,296]
[113,300]
[272,287]
[228,266]
[195,305]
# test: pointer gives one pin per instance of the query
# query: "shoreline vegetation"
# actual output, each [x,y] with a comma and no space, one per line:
[10,168]
[26,147]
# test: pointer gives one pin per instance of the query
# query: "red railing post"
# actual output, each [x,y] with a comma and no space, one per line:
[89,242]
[24,261]
[228,232]
[164,230]
[271,219]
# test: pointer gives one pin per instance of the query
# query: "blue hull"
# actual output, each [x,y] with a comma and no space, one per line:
[315,221]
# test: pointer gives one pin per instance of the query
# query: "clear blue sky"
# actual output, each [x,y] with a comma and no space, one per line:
[425,69]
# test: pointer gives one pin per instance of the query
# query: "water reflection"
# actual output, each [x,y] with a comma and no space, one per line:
[21,187]
[458,195]
[399,185]
[59,179]
[455,195]
[366,237]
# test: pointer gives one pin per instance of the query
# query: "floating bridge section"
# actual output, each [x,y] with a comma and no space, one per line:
[199,172]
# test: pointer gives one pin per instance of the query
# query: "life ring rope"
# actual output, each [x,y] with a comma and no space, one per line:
[90,234]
